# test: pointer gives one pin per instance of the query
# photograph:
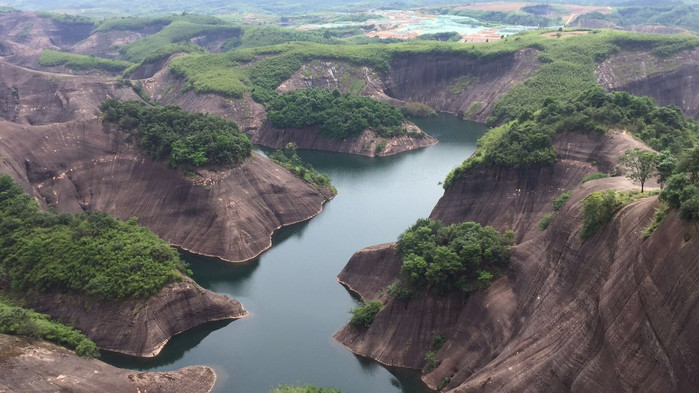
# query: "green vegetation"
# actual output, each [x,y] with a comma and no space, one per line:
[431,359]
[528,140]
[665,166]
[681,193]
[438,341]
[660,214]
[640,163]
[443,37]
[213,74]
[462,84]
[515,144]
[69,19]
[234,73]
[304,389]
[23,322]
[256,36]
[52,58]
[337,115]
[459,256]
[289,159]
[363,315]
[676,14]
[90,253]
[181,138]
[129,23]
[178,31]
[508,18]
[599,208]
[444,383]
[418,109]
[595,176]
[569,65]
[137,87]
[400,290]
[545,222]
[560,201]
[468,113]
[164,52]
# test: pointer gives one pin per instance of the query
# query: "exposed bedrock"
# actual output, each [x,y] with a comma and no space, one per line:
[518,198]
[613,313]
[670,81]
[43,367]
[230,213]
[139,327]
[368,143]
[35,97]
[25,35]
[456,84]
[452,83]
[167,89]
[82,164]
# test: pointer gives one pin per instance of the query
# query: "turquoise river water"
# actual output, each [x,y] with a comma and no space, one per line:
[294,300]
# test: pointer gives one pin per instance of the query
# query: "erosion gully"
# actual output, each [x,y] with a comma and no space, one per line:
[294,300]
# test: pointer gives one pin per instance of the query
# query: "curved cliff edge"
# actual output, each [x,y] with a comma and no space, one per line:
[138,327]
[57,148]
[613,313]
[41,366]
[368,143]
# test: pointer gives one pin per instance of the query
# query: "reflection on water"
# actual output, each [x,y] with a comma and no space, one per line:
[294,300]
[175,349]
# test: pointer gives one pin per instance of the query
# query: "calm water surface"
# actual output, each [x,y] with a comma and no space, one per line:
[294,300]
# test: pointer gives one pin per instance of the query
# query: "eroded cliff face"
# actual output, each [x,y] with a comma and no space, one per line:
[518,198]
[346,77]
[138,327]
[368,143]
[459,85]
[40,366]
[166,89]
[670,81]
[613,313]
[83,164]
[230,213]
[456,84]
[24,35]
[35,97]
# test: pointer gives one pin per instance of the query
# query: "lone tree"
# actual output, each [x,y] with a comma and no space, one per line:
[640,163]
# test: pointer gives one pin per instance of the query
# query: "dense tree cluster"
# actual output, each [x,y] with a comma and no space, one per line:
[682,189]
[23,322]
[90,253]
[337,115]
[181,138]
[463,256]
[528,140]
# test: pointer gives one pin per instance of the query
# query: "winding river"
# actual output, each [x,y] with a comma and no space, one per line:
[294,300]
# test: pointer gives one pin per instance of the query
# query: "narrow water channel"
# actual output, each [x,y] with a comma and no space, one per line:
[294,300]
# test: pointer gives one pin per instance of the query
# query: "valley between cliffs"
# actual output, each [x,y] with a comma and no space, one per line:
[610,314]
